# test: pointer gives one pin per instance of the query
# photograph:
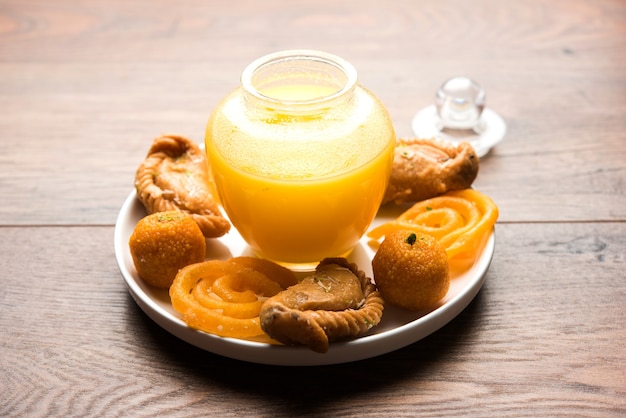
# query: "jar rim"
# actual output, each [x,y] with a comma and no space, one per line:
[282,57]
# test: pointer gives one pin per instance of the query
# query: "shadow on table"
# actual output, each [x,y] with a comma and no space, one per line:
[294,391]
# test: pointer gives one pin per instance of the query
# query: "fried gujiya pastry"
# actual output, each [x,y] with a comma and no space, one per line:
[425,168]
[337,302]
[175,176]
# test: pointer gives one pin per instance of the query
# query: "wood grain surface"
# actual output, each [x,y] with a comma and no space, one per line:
[86,85]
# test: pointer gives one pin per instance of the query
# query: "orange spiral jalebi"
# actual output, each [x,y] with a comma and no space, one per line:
[460,220]
[225,297]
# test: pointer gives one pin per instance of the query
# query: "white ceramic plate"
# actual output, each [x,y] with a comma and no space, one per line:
[397,329]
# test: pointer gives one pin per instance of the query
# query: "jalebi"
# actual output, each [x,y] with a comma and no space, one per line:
[460,220]
[224,297]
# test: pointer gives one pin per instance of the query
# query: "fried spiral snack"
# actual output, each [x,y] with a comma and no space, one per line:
[460,220]
[224,297]
[175,176]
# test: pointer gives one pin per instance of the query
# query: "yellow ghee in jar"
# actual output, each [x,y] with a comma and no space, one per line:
[299,182]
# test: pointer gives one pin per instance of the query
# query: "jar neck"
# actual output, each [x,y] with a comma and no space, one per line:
[298,82]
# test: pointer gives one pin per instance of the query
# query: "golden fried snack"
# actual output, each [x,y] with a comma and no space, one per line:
[337,302]
[174,176]
[460,220]
[224,297]
[425,168]
[164,242]
[411,270]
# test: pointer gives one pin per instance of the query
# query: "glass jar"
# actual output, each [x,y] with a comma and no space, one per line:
[300,155]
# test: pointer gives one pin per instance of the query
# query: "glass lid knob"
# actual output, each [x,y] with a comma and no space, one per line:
[460,102]
[459,114]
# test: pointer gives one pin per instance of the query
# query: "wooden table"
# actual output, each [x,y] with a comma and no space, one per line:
[86,85]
